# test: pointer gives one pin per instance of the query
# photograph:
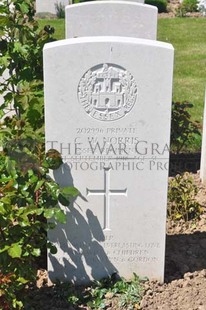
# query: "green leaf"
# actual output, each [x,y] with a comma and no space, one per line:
[18,47]
[15,250]
[25,223]
[2,209]
[1,114]
[53,189]
[22,280]
[5,178]
[69,191]
[49,213]
[4,20]
[17,303]
[60,216]
[10,167]
[39,184]
[24,8]
[64,201]
[66,194]
[39,211]
[6,200]
[36,252]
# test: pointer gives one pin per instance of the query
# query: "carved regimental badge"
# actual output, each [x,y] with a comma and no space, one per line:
[107,92]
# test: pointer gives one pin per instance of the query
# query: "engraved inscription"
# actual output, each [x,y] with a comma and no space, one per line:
[107,92]
[106,192]
[123,252]
[132,252]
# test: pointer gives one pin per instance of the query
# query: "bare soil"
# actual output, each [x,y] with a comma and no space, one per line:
[185,266]
[185,272]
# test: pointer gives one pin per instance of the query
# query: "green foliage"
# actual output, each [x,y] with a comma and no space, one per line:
[60,10]
[6,288]
[28,197]
[186,6]
[127,294]
[180,11]
[160,4]
[184,131]
[190,5]
[181,198]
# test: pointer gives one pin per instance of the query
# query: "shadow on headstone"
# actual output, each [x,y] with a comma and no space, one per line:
[79,241]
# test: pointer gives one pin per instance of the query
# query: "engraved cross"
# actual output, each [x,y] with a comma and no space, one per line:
[106,192]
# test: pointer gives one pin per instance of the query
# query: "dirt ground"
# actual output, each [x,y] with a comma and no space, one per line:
[185,266]
[185,272]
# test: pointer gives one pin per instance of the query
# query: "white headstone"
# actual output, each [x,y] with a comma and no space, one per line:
[111,18]
[108,110]
[48,6]
[203,150]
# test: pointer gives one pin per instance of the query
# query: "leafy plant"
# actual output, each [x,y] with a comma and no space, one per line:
[180,11]
[28,197]
[60,9]
[184,131]
[181,198]
[187,6]
[160,4]
[104,294]
[5,284]
[128,293]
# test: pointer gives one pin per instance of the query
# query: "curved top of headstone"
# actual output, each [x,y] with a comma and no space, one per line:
[111,18]
[108,39]
[138,1]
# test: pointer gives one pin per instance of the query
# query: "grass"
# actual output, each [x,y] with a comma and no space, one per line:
[58,24]
[188,36]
